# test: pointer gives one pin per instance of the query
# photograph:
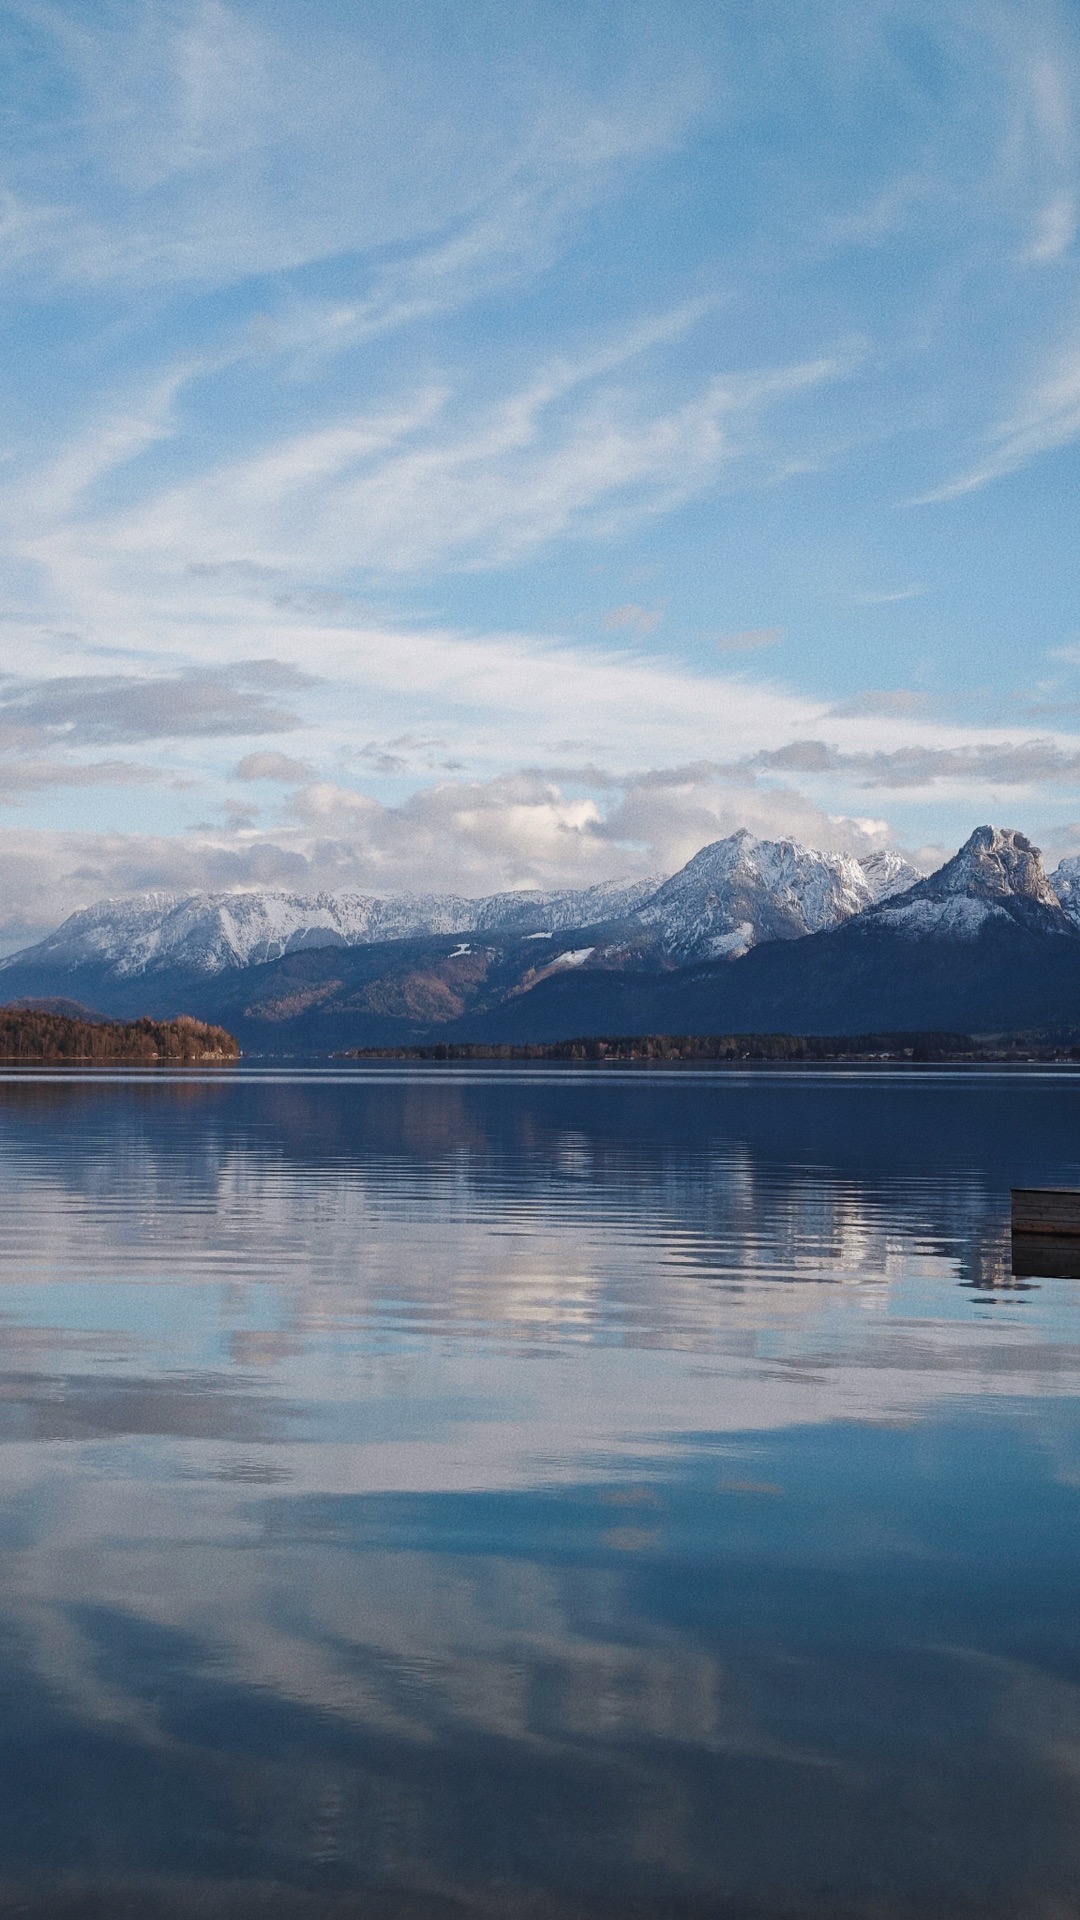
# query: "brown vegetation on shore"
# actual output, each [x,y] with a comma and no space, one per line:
[32,1037]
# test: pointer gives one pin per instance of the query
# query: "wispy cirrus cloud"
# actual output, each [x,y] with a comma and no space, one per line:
[1047,417]
[887,596]
[428,483]
[1055,230]
[364,341]
[210,140]
[1044,135]
[632,618]
[750,640]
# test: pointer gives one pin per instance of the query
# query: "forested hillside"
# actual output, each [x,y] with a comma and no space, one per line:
[27,1034]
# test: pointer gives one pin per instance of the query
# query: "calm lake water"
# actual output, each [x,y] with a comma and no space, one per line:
[536,1493]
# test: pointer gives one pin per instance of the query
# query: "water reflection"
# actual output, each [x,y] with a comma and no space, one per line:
[536,1494]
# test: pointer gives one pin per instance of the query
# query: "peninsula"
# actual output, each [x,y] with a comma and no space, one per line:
[33,1037]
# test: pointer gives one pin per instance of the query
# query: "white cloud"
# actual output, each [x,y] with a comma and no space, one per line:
[1046,417]
[77,710]
[750,640]
[206,570]
[273,766]
[19,777]
[1044,134]
[887,596]
[529,827]
[472,836]
[430,482]
[887,214]
[632,618]
[206,141]
[1055,230]
[978,767]
[250,471]
[883,700]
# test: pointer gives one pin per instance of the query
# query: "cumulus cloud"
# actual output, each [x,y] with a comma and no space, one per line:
[522,829]
[273,766]
[558,826]
[518,830]
[677,810]
[44,876]
[527,829]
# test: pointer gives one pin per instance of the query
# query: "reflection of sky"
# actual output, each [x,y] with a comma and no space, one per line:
[387,1258]
[667,1452]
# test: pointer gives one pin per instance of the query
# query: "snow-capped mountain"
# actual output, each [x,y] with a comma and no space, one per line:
[887,873]
[741,891]
[752,936]
[1065,881]
[981,946]
[732,895]
[997,874]
[211,932]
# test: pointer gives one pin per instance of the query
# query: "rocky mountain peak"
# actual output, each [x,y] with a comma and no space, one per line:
[997,875]
[1065,881]
[995,863]
[739,891]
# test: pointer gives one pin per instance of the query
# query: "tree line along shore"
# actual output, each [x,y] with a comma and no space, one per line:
[32,1037]
[740,1047]
[35,1036]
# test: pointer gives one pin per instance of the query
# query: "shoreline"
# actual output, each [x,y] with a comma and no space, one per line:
[718,1050]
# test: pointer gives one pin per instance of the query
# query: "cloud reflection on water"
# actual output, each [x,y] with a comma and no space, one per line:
[564,1489]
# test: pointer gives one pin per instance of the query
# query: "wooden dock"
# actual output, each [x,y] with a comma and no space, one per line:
[1046,1233]
[1046,1210]
[1046,1256]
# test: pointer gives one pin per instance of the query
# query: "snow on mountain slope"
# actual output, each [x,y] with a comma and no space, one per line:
[1065,881]
[729,897]
[212,932]
[550,912]
[887,873]
[741,891]
[997,874]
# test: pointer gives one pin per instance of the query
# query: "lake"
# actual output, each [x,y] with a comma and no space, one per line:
[536,1492]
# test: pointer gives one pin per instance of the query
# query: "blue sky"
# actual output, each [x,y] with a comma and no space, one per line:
[471,446]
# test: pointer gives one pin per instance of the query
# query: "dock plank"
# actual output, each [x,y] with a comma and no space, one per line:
[1052,1210]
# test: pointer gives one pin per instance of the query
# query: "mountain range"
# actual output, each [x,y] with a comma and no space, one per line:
[730,896]
[750,936]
